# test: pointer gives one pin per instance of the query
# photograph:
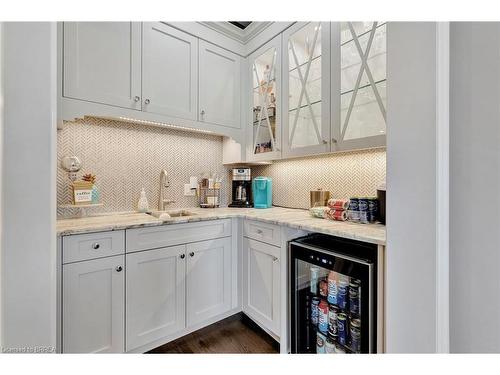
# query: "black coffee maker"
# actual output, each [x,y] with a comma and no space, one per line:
[242,188]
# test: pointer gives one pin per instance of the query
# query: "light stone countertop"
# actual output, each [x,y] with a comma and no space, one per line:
[294,218]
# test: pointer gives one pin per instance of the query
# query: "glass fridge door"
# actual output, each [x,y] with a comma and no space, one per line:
[331,302]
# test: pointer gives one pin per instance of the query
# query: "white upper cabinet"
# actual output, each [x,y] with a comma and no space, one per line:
[169,71]
[264,112]
[359,73]
[306,89]
[102,62]
[219,86]
[155,294]
[93,312]
[208,279]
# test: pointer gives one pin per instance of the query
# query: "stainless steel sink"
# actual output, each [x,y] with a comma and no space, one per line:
[173,213]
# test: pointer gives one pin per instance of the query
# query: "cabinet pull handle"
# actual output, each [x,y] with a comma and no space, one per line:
[147,101]
[137,98]
[95,246]
[183,256]
[275,259]
[202,112]
[259,231]
[119,269]
[325,141]
[191,254]
[334,140]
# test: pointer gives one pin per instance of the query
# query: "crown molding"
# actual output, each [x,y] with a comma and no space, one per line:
[235,33]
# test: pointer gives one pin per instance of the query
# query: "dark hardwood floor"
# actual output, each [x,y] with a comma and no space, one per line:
[236,334]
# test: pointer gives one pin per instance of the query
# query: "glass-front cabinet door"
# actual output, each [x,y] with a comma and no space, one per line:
[359,99]
[306,88]
[264,116]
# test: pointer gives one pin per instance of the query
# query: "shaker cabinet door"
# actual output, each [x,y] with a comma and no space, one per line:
[155,295]
[359,80]
[219,86]
[102,62]
[94,306]
[208,279]
[261,281]
[306,89]
[169,71]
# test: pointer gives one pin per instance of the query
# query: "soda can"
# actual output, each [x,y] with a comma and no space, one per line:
[332,287]
[323,316]
[320,343]
[342,328]
[339,349]
[354,296]
[330,346]
[323,288]
[332,321]
[314,310]
[356,335]
[342,294]
[363,204]
[372,209]
[353,212]
[354,204]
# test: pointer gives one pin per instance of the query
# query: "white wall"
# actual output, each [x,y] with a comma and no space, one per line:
[28,178]
[1,179]
[475,187]
[413,270]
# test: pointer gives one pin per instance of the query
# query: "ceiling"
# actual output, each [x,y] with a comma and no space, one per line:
[241,24]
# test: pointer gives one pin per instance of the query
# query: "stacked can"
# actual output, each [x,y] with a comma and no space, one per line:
[363,210]
[372,209]
[353,214]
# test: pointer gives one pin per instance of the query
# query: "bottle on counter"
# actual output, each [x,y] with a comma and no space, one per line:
[143,204]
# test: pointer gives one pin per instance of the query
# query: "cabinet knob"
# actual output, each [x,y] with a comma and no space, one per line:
[325,141]
[334,140]
[95,246]
[202,112]
[183,256]
[191,254]
[259,231]
[147,101]
[119,269]
[137,98]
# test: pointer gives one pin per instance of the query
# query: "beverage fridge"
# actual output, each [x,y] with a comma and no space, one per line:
[333,295]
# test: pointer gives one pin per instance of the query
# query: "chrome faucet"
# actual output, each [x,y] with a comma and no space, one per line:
[164,183]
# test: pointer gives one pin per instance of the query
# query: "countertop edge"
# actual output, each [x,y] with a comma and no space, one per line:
[220,216]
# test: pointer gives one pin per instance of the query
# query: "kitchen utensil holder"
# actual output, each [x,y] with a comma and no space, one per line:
[208,197]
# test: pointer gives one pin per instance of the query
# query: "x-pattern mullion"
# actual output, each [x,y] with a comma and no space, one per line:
[263,104]
[303,92]
[306,94]
[364,67]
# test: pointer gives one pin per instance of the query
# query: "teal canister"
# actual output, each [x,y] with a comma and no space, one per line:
[262,192]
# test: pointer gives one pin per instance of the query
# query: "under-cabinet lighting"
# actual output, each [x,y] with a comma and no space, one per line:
[165,125]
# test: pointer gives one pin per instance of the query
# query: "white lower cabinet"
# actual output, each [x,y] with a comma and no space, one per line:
[261,283]
[93,312]
[155,294]
[208,279]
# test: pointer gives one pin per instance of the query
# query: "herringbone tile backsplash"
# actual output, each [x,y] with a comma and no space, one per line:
[344,174]
[127,157]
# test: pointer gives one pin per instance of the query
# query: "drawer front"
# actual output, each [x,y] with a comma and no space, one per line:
[176,234]
[268,233]
[93,245]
